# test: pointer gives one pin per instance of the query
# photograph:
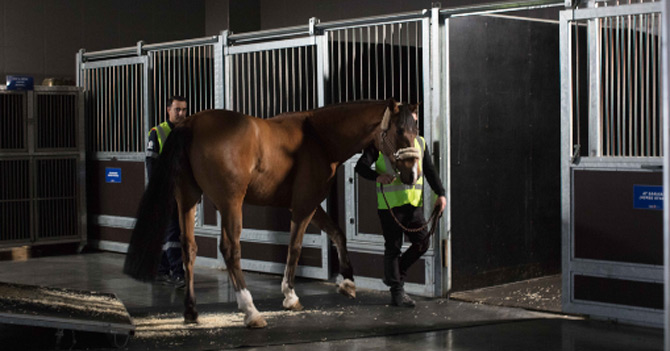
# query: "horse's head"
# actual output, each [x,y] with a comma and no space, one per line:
[399,129]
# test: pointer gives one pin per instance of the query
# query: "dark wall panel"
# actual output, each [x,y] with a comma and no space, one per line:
[607,227]
[505,141]
[281,13]
[41,37]
[114,199]
[207,246]
[617,291]
[269,218]
[368,219]
[209,215]
[277,253]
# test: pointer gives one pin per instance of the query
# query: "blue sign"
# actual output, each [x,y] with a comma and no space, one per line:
[19,83]
[648,197]
[112,175]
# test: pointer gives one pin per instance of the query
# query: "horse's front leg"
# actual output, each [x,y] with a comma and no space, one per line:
[231,229]
[322,220]
[299,222]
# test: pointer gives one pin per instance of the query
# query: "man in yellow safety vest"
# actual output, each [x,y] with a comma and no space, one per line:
[407,204]
[171,268]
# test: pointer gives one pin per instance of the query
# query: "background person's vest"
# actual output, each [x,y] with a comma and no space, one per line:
[397,193]
[163,130]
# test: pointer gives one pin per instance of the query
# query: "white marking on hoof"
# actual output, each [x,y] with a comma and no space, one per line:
[245,303]
[348,288]
[291,300]
[255,321]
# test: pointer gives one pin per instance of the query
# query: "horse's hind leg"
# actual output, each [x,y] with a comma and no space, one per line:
[231,229]
[299,222]
[322,220]
[187,198]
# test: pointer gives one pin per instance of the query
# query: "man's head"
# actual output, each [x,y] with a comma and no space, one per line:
[176,109]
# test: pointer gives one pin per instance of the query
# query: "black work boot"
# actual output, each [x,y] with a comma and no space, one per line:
[401,299]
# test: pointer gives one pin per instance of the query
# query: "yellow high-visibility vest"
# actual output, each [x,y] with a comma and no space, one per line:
[163,130]
[397,193]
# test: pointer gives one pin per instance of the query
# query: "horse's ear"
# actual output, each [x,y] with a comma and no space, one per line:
[414,110]
[394,106]
[386,120]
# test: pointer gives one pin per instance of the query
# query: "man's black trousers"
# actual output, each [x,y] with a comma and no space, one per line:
[396,263]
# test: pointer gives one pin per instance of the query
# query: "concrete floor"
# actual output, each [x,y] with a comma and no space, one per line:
[330,321]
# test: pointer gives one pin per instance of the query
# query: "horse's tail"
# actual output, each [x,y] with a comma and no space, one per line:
[157,207]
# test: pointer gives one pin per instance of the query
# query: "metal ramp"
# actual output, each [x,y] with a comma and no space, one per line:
[63,309]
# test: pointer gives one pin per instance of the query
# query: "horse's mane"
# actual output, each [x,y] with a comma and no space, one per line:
[310,113]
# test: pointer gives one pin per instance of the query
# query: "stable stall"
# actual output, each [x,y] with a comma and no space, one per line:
[489,112]
[42,170]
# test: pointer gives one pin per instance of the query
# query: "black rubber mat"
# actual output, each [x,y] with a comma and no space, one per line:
[325,317]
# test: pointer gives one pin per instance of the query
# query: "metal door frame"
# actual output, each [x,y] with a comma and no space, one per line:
[596,161]
[366,243]
[272,237]
[142,62]
[665,102]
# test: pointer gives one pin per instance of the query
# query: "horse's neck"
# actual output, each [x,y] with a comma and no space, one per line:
[347,129]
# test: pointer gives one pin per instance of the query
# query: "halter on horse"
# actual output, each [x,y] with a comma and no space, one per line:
[287,161]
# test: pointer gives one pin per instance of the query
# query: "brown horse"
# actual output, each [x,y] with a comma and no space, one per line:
[287,161]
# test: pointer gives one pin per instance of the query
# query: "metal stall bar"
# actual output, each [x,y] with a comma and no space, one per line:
[664,52]
[625,55]
[500,7]
[181,71]
[106,94]
[624,68]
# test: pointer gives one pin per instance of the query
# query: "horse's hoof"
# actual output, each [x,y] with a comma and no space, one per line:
[191,318]
[257,322]
[297,306]
[347,288]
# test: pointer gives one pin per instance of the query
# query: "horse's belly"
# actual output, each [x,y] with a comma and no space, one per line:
[264,192]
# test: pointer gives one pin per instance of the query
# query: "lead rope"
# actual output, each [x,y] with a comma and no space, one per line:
[432,220]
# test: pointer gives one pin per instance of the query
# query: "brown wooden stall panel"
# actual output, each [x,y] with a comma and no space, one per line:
[207,246]
[607,227]
[618,291]
[368,219]
[209,215]
[269,218]
[266,218]
[277,253]
[114,199]
[119,235]
[371,265]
